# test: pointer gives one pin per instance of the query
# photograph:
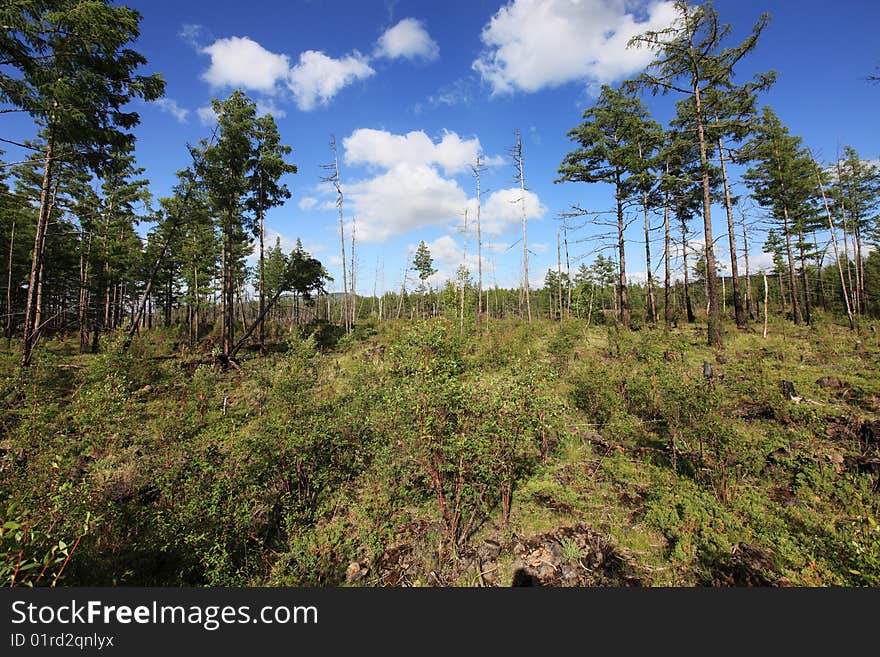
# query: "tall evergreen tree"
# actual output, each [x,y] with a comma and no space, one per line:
[225,170]
[267,168]
[691,60]
[781,180]
[614,141]
[73,72]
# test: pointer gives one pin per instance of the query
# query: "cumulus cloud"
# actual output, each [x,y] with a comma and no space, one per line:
[408,39]
[307,203]
[170,106]
[402,199]
[317,77]
[533,44]
[502,210]
[384,149]
[416,185]
[242,62]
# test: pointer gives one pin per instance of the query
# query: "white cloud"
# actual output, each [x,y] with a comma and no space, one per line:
[503,210]
[408,39]
[416,187]
[384,149]
[446,253]
[193,34]
[307,203]
[533,44]
[206,115]
[317,78]
[170,106]
[265,106]
[242,62]
[402,199]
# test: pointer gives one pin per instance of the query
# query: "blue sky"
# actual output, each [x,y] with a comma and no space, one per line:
[410,89]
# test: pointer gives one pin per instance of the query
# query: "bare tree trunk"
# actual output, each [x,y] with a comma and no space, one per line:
[334,178]
[792,281]
[766,303]
[559,270]
[860,266]
[262,289]
[739,315]
[477,171]
[849,313]
[749,299]
[9,288]
[84,301]
[462,278]
[567,271]
[522,185]
[353,302]
[687,293]
[852,288]
[808,306]
[820,265]
[667,252]
[621,253]
[714,316]
[652,305]
[30,315]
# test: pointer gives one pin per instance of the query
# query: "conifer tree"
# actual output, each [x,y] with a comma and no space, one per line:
[613,143]
[781,180]
[71,68]
[267,168]
[691,60]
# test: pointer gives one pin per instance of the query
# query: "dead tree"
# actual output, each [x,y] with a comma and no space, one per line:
[521,179]
[333,178]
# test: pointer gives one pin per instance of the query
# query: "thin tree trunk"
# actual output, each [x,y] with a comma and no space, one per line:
[84,301]
[464,265]
[714,315]
[335,180]
[849,313]
[652,305]
[739,314]
[477,171]
[559,270]
[30,315]
[792,281]
[522,185]
[667,316]
[567,272]
[766,303]
[621,253]
[353,288]
[9,287]
[749,299]
[808,306]
[262,289]
[687,294]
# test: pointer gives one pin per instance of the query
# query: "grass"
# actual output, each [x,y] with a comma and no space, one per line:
[166,471]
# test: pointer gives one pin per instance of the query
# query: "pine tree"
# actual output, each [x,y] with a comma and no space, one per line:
[423,263]
[614,142]
[73,72]
[691,60]
[225,170]
[859,197]
[781,180]
[267,167]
